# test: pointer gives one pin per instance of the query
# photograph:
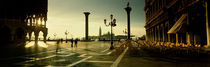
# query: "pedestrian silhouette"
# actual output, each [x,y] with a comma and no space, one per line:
[57,47]
[76,42]
[61,40]
[72,42]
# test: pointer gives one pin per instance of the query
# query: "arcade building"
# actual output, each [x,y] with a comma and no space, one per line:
[177,21]
[19,18]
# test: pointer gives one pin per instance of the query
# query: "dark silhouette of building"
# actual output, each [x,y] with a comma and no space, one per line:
[21,17]
[181,21]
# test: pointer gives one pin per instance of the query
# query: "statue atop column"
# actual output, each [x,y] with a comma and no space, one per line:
[128,10]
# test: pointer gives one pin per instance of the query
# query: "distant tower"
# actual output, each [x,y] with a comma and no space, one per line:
[86,25]
[100,32]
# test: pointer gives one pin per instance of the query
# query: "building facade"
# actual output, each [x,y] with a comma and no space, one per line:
[177,21]
[21,17]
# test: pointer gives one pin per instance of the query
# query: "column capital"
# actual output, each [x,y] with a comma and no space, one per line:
[86,13]
[128,9]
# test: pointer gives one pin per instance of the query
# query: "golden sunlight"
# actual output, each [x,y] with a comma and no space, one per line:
[40,43]
[30,44]
[39,22]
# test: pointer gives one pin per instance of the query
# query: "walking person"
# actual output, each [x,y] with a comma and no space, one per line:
[72,42]
[76,42]
[61,40]
[57,47]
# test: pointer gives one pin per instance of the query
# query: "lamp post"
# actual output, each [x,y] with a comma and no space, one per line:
[112,24]
[66,33]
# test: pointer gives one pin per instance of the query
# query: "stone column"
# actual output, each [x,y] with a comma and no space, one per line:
[86,24]
[37,20]
[36,33]
[158,35]
[31,22]
[155,33]
[128,10]
[45,37]
[41,20]
[34,21]
[188,37]
[177,38]
[207,24]
[163,32]
[29,35]
[45,22]
[158,32]
[147,35]
[169,36]
[150,36]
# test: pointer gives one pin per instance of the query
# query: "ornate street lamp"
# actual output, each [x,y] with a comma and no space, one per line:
[112,24]
[55,35]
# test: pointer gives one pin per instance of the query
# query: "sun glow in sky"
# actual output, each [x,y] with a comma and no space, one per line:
[68,15]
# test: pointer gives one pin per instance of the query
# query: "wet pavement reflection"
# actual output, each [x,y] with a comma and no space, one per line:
[44,54]
[86,54]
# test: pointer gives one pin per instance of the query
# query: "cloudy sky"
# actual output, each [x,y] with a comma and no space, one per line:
[68,15]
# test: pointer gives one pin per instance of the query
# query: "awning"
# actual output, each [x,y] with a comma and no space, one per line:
[178,25]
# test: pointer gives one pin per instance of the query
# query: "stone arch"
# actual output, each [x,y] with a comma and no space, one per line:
[5,35]
[41,34]
[20,34]
[32,35]
[29,35]
[44,34]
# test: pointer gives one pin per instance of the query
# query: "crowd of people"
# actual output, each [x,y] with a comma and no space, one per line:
[73,43]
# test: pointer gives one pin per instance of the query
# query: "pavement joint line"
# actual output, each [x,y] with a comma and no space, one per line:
[117,61]
[73,49]
[100,61]
[73,64]
[36,59]
[33,54]
[54,66]
[38,53]
[83,55]
[105,50]
[68,55]
[110,52]
[27,55]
